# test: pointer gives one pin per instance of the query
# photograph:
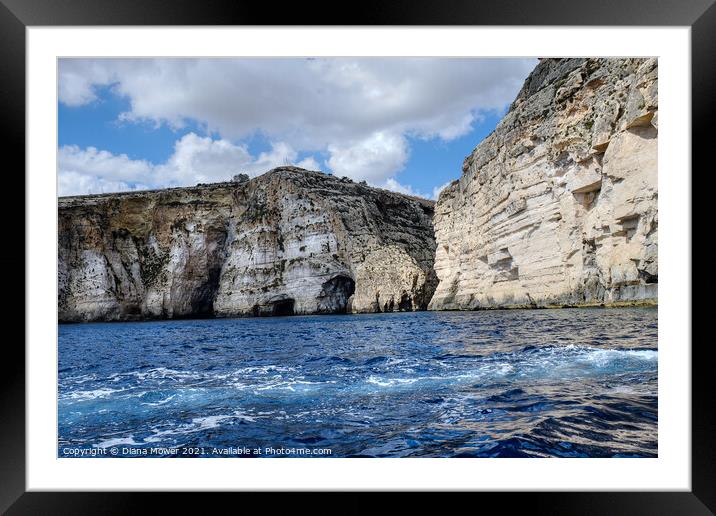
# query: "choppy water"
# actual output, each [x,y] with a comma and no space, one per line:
[522,383]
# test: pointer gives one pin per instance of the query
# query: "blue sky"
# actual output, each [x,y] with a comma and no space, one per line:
[398,123]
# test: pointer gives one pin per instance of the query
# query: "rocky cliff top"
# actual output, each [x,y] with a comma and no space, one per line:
[308,177]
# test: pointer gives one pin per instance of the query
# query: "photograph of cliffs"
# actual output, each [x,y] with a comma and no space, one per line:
[374,257]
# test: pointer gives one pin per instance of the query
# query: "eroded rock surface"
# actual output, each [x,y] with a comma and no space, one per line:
[287,242]
[558,206]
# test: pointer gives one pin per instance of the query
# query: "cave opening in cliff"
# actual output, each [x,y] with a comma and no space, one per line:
[406,303]
[283,307]
[335,294]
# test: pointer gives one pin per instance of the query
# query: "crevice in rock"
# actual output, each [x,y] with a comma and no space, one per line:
[647,277]
[629,225]
[503,266]
[406,303]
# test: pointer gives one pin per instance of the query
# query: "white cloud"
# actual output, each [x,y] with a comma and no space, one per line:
[280,154]
[438,189]
[309,163]
[196,159]
[394,186]
[74,183]
[80,77]
[90,170]
[373,159]
[358,111]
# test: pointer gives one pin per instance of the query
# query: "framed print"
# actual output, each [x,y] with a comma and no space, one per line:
[423,257]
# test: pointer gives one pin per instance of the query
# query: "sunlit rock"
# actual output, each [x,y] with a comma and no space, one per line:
[287,242]
[569,218]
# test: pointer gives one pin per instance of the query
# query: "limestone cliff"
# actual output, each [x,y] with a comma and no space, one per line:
[558,206]
[287,242]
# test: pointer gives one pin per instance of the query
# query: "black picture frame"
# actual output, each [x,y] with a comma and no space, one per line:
[17,15]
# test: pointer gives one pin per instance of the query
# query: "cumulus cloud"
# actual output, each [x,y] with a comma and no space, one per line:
[196,159]
[79,79]
[357,110]
[201,160]
[394,186]
[75,183]
[438,189]
[90,170]
[374,158]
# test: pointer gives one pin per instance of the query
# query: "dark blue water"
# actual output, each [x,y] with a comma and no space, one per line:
[522,383]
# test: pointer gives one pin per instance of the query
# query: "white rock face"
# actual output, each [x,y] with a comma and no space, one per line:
[288,242]
[558,206]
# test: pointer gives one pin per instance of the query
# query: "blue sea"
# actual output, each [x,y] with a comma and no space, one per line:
[512,383]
